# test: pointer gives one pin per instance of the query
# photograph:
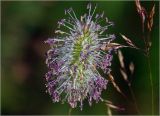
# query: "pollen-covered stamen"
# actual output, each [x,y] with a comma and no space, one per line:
[73,15]
[89,18]
[64,23]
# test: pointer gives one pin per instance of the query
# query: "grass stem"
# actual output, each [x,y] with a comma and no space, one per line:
[134,99]
[70,110]
[151,83]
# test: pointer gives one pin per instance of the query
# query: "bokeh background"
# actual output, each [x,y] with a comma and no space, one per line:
[24,27]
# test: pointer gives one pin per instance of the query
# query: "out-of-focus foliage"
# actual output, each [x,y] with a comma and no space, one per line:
[24,27]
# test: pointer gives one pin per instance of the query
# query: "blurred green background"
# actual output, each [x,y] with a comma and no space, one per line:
[24,27]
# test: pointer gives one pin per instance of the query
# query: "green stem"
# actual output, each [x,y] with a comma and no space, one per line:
[147,52]
[151,83]
[70,110]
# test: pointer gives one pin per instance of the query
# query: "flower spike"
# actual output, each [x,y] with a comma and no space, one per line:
[74,57]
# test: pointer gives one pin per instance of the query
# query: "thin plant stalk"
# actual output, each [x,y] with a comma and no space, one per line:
[125,77]
[147,54]
[151,82]
[109,112]
[134,99]
[70,110]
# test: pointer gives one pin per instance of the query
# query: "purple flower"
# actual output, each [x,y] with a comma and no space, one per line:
[106,62]
[55,96]
[74,57]
[50,41]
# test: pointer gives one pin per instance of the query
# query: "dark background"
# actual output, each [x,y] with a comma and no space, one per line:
[24,27]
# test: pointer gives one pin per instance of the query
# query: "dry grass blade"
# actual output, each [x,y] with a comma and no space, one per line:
[152,12]
[131,67]
[141,10]
[114,107]
[138,5]
[111,105]
[112,46]
[128,41]
[125,77]
[115,85]
[120,56]
[107,101]
[109,111]
[150,18]
[122,69]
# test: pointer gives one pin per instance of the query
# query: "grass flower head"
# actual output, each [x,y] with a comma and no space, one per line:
[74,57]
